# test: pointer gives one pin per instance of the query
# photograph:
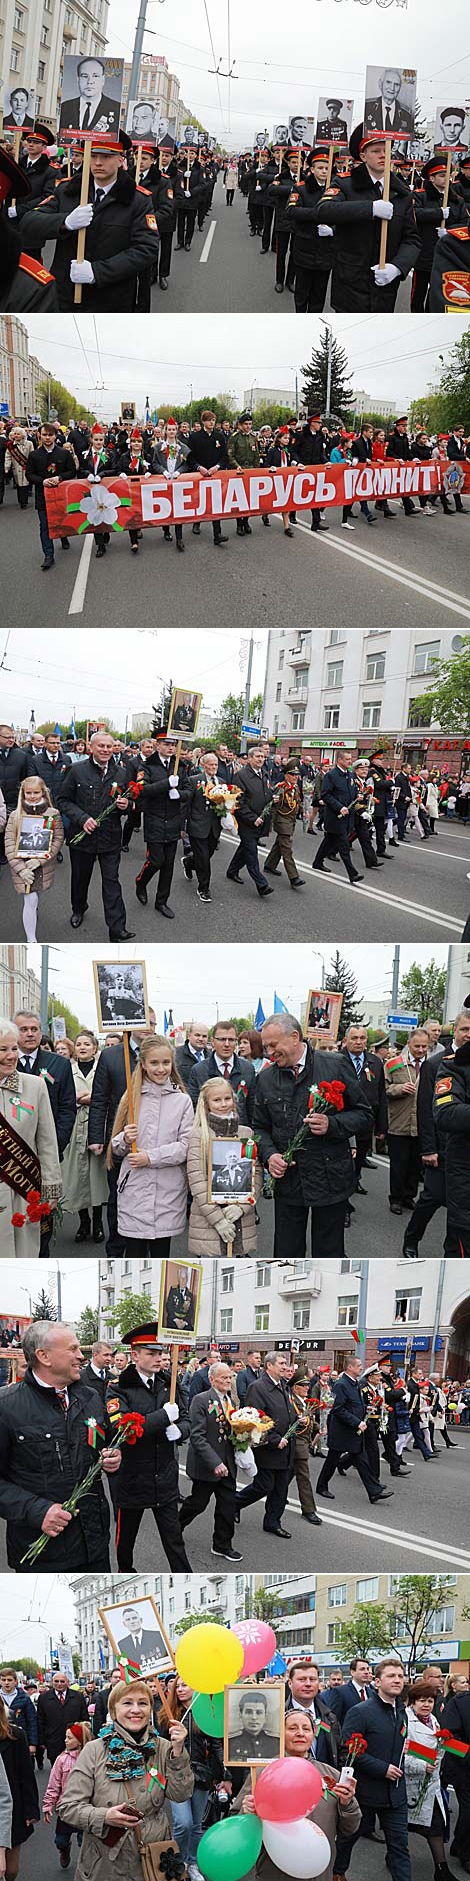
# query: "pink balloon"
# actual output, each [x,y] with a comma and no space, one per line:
[259,1645]
[286,1789]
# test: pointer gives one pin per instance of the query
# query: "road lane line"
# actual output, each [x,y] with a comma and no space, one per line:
[81,578]
[396,1537]
[391,571]
[385,561]
[420,909]
[208,244]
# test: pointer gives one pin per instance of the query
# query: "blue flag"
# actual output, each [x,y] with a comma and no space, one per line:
[166,1027]
[259,1017]
[279,1004]
[277,1666]
[57,731]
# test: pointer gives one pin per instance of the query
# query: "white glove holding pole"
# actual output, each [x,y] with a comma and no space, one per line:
[80,217]
[385,276]
[382,210]
[173,1434]
[81,273]
[12,211]
[172,1412]
[324,229]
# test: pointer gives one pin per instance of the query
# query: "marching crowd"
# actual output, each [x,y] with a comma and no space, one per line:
[252,1432]
[323,224]
[307,1113]
[37,460]
[383,1738]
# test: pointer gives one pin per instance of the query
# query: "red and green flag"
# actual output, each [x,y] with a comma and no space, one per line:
[426,1753]
[359,1337]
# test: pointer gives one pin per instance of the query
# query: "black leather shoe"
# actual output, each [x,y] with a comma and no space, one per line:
[127,933]
[218,540]
[101,550]
[395,1208]
[234,878]
[180,547]
[142,896]
[277,1530]
[360,1190]
[76,920]
[312,1517]
[298,881]
[265,891]
[84,1232]
[384,1496]
[161,907]
[326,1493]
[319,868]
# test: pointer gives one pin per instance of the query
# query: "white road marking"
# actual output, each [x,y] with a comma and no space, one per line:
[208,243]
[445,597]
[81,578]
[423,913]
[396,1537]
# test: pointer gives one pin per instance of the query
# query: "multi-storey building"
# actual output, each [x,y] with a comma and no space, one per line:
[20,372]
[156,83]
[331,681]
[35,34]
[18,984]
[221,1596]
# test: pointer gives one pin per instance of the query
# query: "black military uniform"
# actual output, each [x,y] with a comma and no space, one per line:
[163,818]
[348,207]
[40,466]
[428,206]
[192,190]
[313,254]
[26,287]
[85,792]
[149,1470]
[44,1452]
[252,1746]
[310,447]
[256,196]
[381,784]
[449,288]
[179,1315]
[451,1112]
[41,178]
[121,239]
[207,451]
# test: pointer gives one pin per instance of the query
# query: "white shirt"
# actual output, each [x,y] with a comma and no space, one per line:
[222,1064]
[96,1368]
[8,1696]
[91,104]
[104,188]
[300,1066]
[31,1055]
[145,1379]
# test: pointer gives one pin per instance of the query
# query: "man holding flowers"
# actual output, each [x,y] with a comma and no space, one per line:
[308,1105]
[51,1428]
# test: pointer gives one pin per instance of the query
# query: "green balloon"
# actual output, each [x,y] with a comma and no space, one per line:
[230,1848]
[208,1713]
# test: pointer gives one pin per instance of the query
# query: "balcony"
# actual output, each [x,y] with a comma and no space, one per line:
[297,695]
[300,656]
[292,1283]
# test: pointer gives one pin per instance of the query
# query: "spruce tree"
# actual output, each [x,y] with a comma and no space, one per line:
[315,377]
[342,980]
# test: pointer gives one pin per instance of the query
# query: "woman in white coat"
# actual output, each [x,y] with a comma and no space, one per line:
[426,1806]
[26,1124]
[84,1176]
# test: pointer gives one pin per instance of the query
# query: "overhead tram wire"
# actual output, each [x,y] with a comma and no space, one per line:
[209,29]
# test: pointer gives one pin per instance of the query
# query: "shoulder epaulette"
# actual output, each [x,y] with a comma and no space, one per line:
[30,266]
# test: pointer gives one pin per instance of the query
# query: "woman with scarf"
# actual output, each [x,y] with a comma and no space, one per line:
[426,1806]
[83,1174]
[123,1785]
[207,1765]
[214,1226]
[34,873]
[19,448]
[26,1122]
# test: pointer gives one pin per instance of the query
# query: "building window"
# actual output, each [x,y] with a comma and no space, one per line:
[15,59]
[263,1275]
[335,636]
[442,1622]
[425,654]
[276,727]
[334,673]
[261,1319]
[349,1266]
[147,1288]
[331,717]
[280,662]
[226,1319]
[18,20]
[375,666]
[202,1597]
[368,1589]
[41,70]
[278,694]
[44,35]
[337,1596]
[347,1310]
[332,1632]
[298,721]
[419,714]
[301,1315]
[187,1603]
[227,1280]
[408,1304]
[371,715]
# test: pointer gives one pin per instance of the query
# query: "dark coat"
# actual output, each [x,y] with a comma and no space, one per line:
[109,1084]
[338,790]
[245,1381]
[256,793]
[60,1089]
[15,764]
[278,195]
[198,1382]
[327,1746]
[42,464]
[309,249]
[53,774]
[54,1718]
[209,1440]
[121,242]
[41,178]
[242,1072]
[427,1123]
[19,1770]
[452,257]
[148,1477]
[42,1456]
[85,792]
[186,1062]
[402,122]
[374,1090]
[455,1717]
[342,1698]
[451,1112]
[26,287]
[310,447]
[207,449]
[323,1171]
[163,815]
[382,1726]
[23,1711]
[101,1710]
[428,206]
[100,1385]
[275,1400]
[347,1412]
[347,207]
[201,818]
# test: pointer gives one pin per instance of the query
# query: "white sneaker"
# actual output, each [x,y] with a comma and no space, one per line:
[194,1871]
[347,525]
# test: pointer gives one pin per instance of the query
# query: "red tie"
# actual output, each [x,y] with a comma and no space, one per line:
[226,1071]
[63,1399]
[362,1693]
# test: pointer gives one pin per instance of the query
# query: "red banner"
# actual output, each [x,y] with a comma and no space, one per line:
[118,503]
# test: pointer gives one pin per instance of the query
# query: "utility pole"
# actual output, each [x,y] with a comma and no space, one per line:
[246,712]
[44,987]
[59,1293]
[363,1293]
[138,48]
[328,376]
[395,983]
[296,395]
[437,1315]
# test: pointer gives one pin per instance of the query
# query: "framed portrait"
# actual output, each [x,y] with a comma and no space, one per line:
[35,836]
[452,127]
[19,109]
[230,1174]
[180,1292]
[334,122]
[281,134]
[301,131]
[127,413]
[121,994]
[261,140]
[184,710]
[91,94]
[188,137]
[140,121]
[135,1631]
[390,100]
[165,131]
[323,1013]
[254,1722]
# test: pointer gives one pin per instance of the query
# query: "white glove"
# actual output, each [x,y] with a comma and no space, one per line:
[445,215]
[324,229]
[225,1229]
[172,1413]
[188,195]
[382,210]
[233,1213]
[384,276]
[174,778]
[441,232]
[123,476]
[12,210]
[173,1434]
[80,217]
[81,273]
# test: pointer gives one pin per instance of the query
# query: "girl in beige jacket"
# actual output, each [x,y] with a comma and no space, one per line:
[216,1226]
[31,874]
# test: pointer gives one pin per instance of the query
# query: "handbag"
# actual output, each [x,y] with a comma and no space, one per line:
[154,1868]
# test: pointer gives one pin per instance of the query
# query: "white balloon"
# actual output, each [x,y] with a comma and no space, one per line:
[297,1848]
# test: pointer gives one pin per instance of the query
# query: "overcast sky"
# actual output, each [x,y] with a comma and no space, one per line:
[97,674]
[36,1607]
[284,59]
[199,355]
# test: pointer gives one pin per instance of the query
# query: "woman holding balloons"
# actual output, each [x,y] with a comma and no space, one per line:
[300,1837]
[206,1758]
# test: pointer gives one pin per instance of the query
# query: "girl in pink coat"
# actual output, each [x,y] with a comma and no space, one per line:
[75,1737]
[152,1184]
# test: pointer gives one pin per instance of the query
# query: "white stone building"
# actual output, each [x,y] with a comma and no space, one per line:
[362,402]
[18,984]
[327,681]
[35,34]
[156,83]
[219,1595]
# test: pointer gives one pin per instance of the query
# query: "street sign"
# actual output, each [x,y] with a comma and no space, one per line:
[254,730]
[410,1019]
[420,1343]
[4,408]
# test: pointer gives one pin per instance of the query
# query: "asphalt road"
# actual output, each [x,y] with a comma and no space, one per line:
[417,571]
[225,271]
[421,893]
[370,1211]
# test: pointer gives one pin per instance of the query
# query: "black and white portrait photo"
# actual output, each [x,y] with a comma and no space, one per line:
[91,93]
[301,131]
[230,1172]
[189,138]
[35,836]
[334,120]
[180,1288]
[390,100]
[140,120]
[19,109]
[121,994]
[452,127]
[254,1722]
[136,1632]
[281,134]
[261,140]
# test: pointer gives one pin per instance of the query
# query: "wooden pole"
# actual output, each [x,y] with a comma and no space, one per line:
[253,1774]
[82,232]
[174,1373]
[138,166]
[445,199]
[164,1700]
[17,146]
[279,167]
[299,162]
[331,153]
[127,1063]
[68,162]
[386,198]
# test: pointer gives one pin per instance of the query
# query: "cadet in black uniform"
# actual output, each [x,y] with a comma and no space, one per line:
[25,285]
[355,208]
[313,245]
[121,232]
[449,287]
[431,218]
[149,1478]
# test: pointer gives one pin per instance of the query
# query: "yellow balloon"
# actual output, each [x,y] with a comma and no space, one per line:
[209,1657]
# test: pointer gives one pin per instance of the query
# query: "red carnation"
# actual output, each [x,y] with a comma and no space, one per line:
[18,1221]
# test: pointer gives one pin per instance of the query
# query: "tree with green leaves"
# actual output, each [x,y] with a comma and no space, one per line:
[56,1008]
[53,396]
[88,1327]
[341,979]
[264,1604]
[417,1599]
[422,990]
[132,1310]
[44,1306]
[228,727]
[315,377]
[447,699]
[368,1630]
[196,1618]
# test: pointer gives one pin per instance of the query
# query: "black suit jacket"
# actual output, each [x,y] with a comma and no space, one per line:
[109,1085]
[54,1719]
[100,1385]
[374,117]
[106,107]
[186,1061]
[342,1698]
[346,1414]
[339,791]
[242,1073]
[61,1093]
[209,1441]
[373,1087]
[275,1401]
[145,1648]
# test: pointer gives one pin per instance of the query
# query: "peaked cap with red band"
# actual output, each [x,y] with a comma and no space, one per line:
[145,1335]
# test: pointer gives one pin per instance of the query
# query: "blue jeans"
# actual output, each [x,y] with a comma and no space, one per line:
[187,1821]
[63,1834]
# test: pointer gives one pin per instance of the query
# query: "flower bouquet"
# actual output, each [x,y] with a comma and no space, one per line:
[223,798]
[248,1427]
[131,1427]
[98,820]
[325,1096]
[36,1210]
